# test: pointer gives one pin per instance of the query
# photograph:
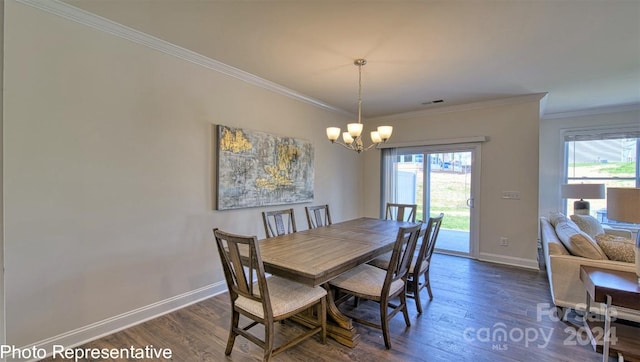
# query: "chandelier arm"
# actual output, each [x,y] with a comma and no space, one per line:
[370,146]
[354,148]
[349,147]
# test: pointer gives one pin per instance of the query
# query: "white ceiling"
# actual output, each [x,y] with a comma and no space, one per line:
[584,53]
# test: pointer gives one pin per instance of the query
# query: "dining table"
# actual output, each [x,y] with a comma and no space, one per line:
[316,256]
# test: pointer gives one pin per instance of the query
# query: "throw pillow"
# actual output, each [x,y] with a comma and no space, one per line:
[588,224]
[617,247]
[556,217]
[578,242]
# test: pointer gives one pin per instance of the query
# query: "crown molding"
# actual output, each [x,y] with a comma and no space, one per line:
[94,21]
[534,97]
[594,111]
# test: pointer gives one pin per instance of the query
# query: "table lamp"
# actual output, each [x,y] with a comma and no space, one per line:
[623,204]
[582,191]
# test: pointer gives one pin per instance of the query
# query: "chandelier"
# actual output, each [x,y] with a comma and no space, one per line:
[352,139]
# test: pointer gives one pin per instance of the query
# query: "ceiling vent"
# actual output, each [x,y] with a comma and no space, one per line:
[432,102]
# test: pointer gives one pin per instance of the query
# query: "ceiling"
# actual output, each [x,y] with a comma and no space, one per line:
[585,54]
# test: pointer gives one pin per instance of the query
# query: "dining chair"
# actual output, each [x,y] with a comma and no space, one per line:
[318,216]
[369,282]
[420,265]
[279,222]
[401,212]
[264,300]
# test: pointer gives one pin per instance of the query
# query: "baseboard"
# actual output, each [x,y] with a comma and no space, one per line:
[509,260]
[117,323]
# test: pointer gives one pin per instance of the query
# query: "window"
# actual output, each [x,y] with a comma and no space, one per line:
[607,157]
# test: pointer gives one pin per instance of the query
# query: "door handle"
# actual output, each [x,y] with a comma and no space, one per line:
[470,203]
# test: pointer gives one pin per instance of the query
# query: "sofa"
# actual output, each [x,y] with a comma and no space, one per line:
[563,271]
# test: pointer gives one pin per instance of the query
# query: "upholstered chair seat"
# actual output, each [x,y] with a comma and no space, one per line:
[285,295]
[366,279]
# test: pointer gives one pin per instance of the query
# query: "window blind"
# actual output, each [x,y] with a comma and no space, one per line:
[601,134]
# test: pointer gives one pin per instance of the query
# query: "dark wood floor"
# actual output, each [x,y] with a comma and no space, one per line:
[472,300]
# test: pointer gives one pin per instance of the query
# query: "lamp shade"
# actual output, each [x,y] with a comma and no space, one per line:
[385,132]
[623,204]
[333,133]
[582,191]
[354,129]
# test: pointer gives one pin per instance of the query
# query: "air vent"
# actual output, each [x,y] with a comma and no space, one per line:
[432,102]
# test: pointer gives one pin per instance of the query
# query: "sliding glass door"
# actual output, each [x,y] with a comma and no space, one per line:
[439,180]
[449,181]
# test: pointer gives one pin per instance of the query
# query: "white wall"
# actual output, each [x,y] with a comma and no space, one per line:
[552,147]
[509,163]
[108,175]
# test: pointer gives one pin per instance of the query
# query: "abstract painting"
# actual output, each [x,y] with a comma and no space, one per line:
[261,169]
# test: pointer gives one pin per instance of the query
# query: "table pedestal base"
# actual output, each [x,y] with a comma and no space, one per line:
[339,326]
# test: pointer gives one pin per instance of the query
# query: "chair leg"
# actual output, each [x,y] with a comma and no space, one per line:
[427,284]
[385,322]
[405,311]
[415,284]
[235,318]
[268,341]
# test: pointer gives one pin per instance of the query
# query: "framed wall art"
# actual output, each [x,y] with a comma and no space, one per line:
[260,169]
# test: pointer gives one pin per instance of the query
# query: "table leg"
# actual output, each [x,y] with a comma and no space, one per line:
[607,331]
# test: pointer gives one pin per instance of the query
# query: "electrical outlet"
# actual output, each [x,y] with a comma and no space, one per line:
[504,241]
[511,195]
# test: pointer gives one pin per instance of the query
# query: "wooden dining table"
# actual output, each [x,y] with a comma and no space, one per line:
[316,256]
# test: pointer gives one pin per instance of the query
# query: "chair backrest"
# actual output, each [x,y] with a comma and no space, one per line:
[279,222]
[402,254]
[240,276]
[428,244]
[401,212]
[318,216]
